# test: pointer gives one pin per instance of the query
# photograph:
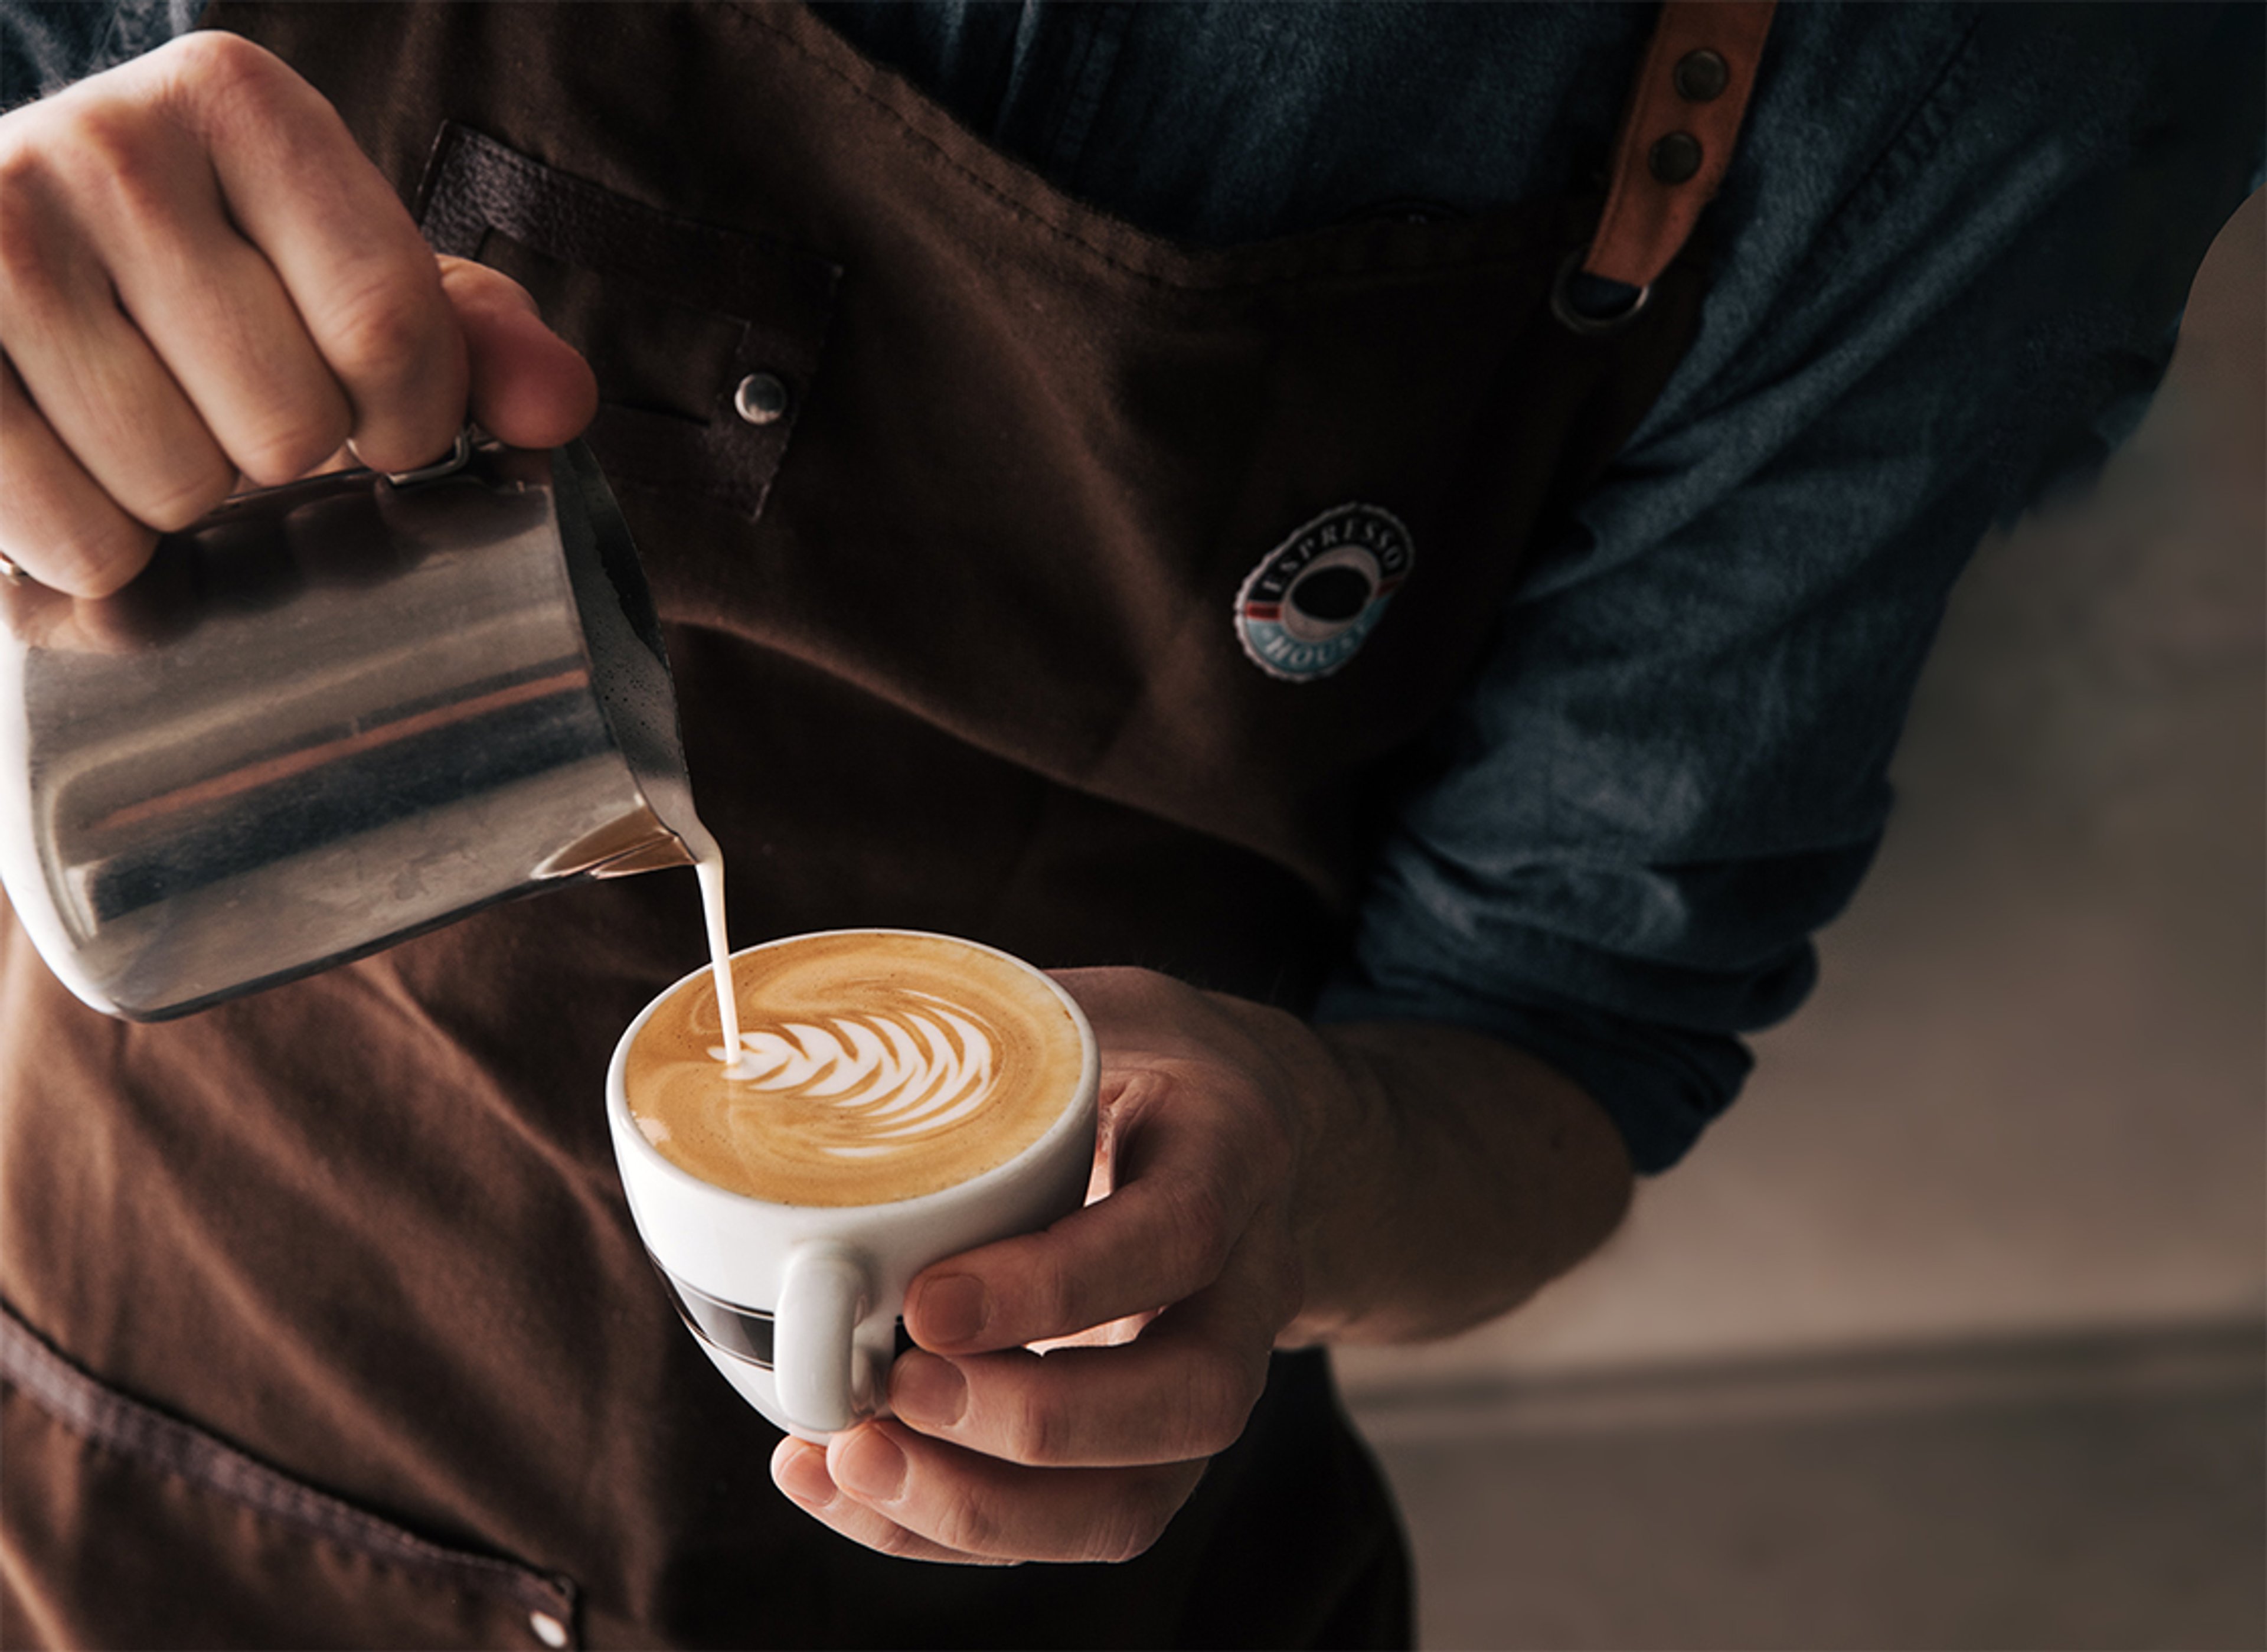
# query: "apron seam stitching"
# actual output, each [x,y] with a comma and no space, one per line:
[104,1417]
[1193,284]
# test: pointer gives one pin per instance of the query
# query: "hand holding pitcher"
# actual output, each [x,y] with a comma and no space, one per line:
[204,284]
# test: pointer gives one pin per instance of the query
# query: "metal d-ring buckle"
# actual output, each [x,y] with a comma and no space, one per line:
[1592,325]
[455,460]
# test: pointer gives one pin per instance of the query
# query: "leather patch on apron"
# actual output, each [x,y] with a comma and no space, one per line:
[673,315]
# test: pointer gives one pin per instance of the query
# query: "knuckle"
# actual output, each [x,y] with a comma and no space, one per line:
[23,169]
[293,449]
[1154,989]
[233,93]
[967,1524]
[119,163]
[94,561]
[215,64]
[1135,1539]
[1132,1528]
[896,1542]
[82,132]
[1201,1233]
[1281,1297]
[1218,1395]
[27,263]
[1033,1432]
[1285,1290]
[192,487]
[1060,1294]
[384,335]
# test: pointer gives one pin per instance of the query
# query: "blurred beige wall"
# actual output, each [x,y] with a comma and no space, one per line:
[2029,1095]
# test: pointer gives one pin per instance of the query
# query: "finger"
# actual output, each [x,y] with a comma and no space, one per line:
[94,381]
[205,300]
[1185,1191]
[362,281]
[129,622]
[799,1470]
[978,1505]
[56,522]
[530,388]
[1184,1389]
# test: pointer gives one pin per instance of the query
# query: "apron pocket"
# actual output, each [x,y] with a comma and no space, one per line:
[704,340]
[122,1526]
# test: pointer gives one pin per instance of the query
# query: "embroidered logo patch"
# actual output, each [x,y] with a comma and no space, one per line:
[1307,607]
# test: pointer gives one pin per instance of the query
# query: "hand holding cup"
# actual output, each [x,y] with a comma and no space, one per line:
[897,1098]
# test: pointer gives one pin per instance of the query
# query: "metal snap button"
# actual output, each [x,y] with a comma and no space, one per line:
[761,399]
[1674,157]
[1700,77]
[548,1628]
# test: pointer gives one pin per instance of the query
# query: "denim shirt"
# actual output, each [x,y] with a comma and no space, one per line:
[1950,256]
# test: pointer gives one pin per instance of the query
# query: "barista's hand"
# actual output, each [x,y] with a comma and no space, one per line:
[202,278]
[1265,1184]
[1084,1453]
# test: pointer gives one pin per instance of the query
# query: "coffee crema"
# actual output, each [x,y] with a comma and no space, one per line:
[873,1066]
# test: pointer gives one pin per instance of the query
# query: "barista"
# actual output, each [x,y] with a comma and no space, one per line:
[1179,416]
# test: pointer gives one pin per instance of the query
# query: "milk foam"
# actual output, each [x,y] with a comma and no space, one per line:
[872,1066]
[922,1067]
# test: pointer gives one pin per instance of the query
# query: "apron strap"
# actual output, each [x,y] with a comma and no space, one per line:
[1677,134]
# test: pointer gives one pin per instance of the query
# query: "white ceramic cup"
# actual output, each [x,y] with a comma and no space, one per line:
[798,1305]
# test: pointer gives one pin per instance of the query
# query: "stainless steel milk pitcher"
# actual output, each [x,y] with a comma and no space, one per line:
[328,716]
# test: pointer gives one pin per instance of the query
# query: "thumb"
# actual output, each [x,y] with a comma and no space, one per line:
[530,388]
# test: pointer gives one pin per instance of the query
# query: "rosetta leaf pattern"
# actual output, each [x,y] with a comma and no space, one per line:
[898,1074]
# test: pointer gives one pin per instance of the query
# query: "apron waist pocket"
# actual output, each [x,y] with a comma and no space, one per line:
[122,1525]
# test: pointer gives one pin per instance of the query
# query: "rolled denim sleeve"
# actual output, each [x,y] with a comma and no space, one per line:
[1674,768]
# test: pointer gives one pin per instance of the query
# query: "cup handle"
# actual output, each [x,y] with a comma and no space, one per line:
[815,1364]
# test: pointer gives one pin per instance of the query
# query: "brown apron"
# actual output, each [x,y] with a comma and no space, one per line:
[971,627]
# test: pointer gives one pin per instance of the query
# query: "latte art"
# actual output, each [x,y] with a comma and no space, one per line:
[872,1066]
[891,1075]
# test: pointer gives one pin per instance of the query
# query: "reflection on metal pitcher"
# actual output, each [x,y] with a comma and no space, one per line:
[330,715]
